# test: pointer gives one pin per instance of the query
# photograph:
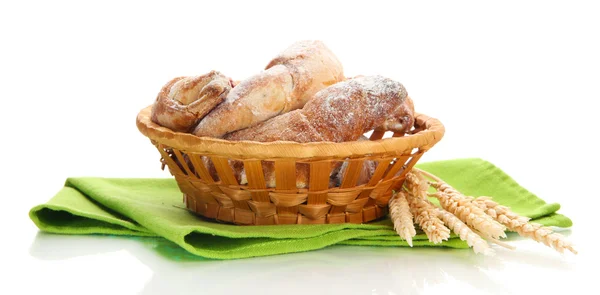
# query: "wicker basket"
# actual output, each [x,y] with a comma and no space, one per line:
[226,200]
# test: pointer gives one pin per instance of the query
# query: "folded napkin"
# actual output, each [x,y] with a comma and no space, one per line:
[153,207]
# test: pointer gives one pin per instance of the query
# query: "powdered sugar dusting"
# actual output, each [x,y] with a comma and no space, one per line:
[342,112]
[291,79]
[348,109]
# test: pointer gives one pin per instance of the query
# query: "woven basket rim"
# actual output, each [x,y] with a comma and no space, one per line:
[432,132]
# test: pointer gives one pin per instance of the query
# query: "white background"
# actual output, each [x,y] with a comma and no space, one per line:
[515,82]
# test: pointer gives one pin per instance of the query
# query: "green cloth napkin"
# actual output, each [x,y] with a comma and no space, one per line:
[153,207]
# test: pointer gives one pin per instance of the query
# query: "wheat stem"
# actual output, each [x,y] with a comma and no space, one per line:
[423,172]
[494,241]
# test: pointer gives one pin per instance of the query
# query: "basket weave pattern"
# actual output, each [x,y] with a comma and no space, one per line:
[221,197]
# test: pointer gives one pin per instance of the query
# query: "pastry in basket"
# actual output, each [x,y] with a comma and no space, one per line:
[302,98]
[183,101]
[289,81]
[341,112]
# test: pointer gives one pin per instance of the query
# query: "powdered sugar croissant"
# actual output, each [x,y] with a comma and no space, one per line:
[338,113]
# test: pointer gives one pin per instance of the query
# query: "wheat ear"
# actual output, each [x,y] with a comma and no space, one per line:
[470,214]
[460,205]
[402,218]
[417,184]
[465,233]
[426,216]
[424,212]
[522,226]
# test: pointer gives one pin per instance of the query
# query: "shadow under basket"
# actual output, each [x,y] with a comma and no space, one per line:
[264,183]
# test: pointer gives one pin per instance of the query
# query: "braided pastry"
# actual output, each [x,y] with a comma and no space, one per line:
[183,101]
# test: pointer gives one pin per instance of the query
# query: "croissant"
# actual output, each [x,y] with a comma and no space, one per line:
[341,112]
[289,81]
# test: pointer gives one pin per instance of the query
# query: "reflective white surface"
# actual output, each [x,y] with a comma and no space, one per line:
[514,83]
[102,264]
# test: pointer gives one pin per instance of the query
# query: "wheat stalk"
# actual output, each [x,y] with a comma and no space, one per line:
[426,216]
[402,218]
[418,186]
[423,211]
[459,205]
[463,231]
[522,226]
[470,214]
